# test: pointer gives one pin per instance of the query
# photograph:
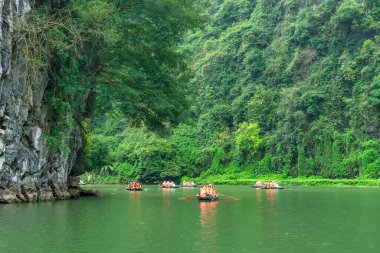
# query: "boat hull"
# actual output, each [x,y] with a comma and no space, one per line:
[209,198]
[134,189]
[272,188]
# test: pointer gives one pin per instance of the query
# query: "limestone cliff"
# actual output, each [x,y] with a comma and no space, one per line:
[28,170]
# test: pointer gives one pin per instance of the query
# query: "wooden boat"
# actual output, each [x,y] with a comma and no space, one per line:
[134,189]
[257,186]
[167,187]
[192,186]
[208,198]
[273,188]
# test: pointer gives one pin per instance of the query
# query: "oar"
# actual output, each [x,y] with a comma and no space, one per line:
[229,197]
[188,197]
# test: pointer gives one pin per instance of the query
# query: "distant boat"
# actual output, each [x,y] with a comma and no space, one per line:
[173,186]
[259,185]
[274,188]
[208,198]
[134,189]
[190,186]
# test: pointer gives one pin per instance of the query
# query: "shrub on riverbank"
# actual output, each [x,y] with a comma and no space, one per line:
[92,178]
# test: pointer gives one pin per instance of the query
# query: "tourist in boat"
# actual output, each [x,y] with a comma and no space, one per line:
[207,190]
[167,184]
[134,186]
[203,192]
[258,183]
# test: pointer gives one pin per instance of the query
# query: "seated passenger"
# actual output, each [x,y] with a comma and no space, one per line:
[202,192]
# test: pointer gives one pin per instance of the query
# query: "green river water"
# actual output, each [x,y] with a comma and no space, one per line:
[297,219]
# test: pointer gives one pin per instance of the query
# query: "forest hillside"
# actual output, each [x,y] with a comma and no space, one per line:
[286,88]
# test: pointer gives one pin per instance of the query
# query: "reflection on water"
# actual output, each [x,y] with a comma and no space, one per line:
[208,213]
[166,196]
[270,200]
[271,196]
[134,197]
[266,210]
[208,221]
[259,196]
[265,197]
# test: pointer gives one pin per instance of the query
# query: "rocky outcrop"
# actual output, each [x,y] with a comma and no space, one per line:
[28,170]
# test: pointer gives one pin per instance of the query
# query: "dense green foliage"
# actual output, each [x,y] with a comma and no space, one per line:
[110,55]
[279,87]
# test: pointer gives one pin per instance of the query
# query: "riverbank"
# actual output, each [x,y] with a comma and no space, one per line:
[236,179]
[298,182]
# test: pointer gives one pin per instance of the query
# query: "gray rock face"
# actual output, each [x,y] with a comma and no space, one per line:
[28,170]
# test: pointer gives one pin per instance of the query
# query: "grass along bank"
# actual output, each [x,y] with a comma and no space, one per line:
[295,182]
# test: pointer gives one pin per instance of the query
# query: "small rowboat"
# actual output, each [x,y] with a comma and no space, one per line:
[273,188]
[194,186]
[256,186]
[208,198]
[134,189]
[176,186]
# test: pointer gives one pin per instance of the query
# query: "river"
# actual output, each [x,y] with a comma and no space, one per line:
[297,219]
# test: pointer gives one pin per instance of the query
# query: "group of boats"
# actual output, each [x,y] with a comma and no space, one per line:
[185,184]
[208,191]
[134,186]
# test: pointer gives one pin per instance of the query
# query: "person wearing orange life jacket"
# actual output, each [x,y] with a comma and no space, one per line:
[202,192]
